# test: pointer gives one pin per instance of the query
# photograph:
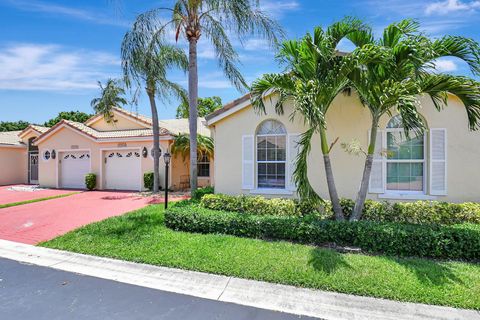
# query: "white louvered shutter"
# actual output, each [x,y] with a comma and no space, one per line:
[377,176]
[293,150]
[438,161]
[248,165]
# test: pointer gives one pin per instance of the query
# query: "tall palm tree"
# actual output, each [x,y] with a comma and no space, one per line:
[315,74]
[111,96]
[216,20]
[145,62]
[406,73]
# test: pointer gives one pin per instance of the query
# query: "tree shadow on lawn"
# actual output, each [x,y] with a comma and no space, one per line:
[327,260]
[430,272]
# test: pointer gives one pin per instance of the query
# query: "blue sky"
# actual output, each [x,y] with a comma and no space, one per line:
[52,53]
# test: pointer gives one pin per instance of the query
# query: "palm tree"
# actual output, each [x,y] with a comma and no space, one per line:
[404,75]
[181,145]
[145,61]
[111,96]
[315,74]
[216,20]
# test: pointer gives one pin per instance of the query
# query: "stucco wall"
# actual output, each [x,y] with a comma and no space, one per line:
[120,123]
[348,119]
[13,164]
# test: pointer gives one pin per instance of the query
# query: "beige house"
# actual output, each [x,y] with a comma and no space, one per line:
[119,152]
[254,153]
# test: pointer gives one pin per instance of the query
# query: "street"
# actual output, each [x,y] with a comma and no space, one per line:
[33,292]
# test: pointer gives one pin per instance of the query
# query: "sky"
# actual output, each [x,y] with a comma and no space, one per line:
[53,53]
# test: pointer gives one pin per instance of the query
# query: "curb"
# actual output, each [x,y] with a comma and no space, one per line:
[283,298]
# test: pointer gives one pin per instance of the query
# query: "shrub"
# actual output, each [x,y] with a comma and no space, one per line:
[436,241]
[419,212]
[90,181]
[200,192]
[148,180]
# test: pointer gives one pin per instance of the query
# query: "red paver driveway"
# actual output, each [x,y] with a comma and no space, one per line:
[45,220]
[7,195]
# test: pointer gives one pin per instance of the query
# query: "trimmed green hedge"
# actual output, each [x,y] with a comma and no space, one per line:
[90,181]
[419,212]
[436,241]
[201,192]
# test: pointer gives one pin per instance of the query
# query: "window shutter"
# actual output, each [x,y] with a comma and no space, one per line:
[248,168]
[293,150]
[377,176]
[438,161]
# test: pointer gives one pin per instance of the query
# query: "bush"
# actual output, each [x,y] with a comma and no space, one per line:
[148,180]
[419,212]
[200,192]
[90,181]
[436,241]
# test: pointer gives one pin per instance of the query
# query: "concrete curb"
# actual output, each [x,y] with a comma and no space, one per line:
[326,305]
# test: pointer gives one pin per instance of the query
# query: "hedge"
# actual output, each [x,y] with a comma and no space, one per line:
[201,192]
[435,241]
[90,181]
[148,180]
[419,212]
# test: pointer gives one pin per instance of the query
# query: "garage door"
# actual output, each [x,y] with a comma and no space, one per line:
[122,170]
[74,166]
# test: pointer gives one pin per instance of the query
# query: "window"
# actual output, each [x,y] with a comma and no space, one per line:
[203,166]
[271,155]
[46,155]
[405,159]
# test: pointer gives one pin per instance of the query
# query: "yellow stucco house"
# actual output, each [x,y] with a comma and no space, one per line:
[254,153]
[119,152]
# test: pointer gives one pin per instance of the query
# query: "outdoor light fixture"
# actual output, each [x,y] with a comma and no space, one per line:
[54,154]
[166,158]
[144,152]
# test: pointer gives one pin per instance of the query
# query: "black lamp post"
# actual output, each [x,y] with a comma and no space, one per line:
[166,158]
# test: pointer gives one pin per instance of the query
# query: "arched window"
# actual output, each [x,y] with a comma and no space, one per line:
[405,159]
[271,155]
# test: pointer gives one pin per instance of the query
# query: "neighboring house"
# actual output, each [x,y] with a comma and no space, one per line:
[119,153]
[255,153]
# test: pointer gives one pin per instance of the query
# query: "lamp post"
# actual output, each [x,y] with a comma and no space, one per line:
[166,159]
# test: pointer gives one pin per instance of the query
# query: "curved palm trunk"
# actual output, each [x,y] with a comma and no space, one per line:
[193,112]
[156,139]
[332,189]
[362,193]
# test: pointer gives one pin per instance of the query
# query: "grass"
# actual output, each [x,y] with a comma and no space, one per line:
[13,204]
[141,236]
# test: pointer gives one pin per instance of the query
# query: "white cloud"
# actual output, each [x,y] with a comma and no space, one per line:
[277,9]
[53,68]
[450,6]
[445,65]
[256,45]
[53,9]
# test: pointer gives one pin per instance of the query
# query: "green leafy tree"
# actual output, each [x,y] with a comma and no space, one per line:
[181,145]
[146,60]
[205,106]
[111,96]
[404,75]
[13,125]
[76,116]
[215,20]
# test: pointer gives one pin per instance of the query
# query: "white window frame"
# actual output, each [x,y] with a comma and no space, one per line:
[209,168]
[257,162]
[398,193]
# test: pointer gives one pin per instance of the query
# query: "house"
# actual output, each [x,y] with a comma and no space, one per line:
[255,153]
[119,152]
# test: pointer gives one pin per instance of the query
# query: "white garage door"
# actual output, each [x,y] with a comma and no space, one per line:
[74,166]
[122,170]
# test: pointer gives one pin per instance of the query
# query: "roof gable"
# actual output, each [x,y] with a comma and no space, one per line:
[122,120]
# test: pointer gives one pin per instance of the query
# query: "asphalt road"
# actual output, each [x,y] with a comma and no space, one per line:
[38,293]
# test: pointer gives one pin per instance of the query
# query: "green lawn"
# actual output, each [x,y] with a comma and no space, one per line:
[141,236]
[13,204]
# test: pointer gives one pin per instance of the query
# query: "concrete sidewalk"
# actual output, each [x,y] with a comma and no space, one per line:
[257,294]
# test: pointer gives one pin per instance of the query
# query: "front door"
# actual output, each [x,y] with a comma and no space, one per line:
[33,168]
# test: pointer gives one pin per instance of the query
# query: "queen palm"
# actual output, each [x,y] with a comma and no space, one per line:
[315,74]
[111,96]
[404,75]
[216,20]
[145,62]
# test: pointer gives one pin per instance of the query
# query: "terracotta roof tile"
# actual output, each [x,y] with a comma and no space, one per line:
[114,134]
[11,138]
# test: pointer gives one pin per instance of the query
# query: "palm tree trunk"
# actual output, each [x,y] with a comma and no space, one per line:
[193,112]
[362,193]
[156,139]
[332,189]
